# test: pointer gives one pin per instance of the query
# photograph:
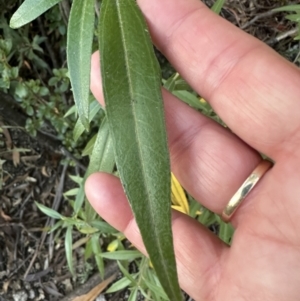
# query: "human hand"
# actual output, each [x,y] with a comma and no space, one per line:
[257,94]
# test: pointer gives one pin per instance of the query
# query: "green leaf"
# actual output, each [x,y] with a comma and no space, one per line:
[207,217]
[21,90]
[30,10]
[103,227]
[79,199]
[68,248]
[217,7]
[150,276]
[85,228]
[102,158]
[72,110]
[48,211]
[122,255]
[78,180]
[192,100]
[132,89]
[157,289]
[94,108]
[89,146]
[97,251]
[126,273]
[293,17]
[72,192]
[181,84]
[295,7]
[225,231]
[88,252]
[56,226]
[119,285]
[170,84]
[79,51]
[133,295]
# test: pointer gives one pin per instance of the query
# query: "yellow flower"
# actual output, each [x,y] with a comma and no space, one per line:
[179,199]
[113,246]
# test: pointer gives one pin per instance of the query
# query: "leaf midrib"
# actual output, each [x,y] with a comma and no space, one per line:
[81,30]
[137,134]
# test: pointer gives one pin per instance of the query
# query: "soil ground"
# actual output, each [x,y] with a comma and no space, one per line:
[32,266]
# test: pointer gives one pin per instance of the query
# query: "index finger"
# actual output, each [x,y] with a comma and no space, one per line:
[254,90]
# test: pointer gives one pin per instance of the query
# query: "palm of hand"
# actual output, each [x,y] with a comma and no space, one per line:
[264,260]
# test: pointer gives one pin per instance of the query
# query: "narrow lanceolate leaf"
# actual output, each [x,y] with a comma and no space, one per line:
[68,248]
[48,211]
[97,251]
[30,10]
[79,50]
[295,7]
[102,158]
[131,85]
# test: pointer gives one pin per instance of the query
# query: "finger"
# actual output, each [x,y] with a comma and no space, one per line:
[107,197]
[210,162]
[96,81]
[253,89]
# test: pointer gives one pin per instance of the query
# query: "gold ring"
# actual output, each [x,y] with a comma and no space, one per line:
[245,189]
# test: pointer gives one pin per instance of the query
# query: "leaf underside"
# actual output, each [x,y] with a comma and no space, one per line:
[132,90]
[79,51]
[30,10]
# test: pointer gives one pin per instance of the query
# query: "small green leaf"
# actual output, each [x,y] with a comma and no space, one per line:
[56,226]
[79,51]
[293,17]
[94,108]
[102,158]
[21,90]
[30,10]
[132,90]
[68,248]
[89,146]
[151,277]
[103,227]
[48,211]
[181,84]
[79,199]
[126,273]
[207,217]
[217,7]
[133,294]
[98,252]
[122,255]
[225,231]
[171,82]
[88,252]
[86,229]
[295,7]
[71,111]
[157,289]
[119,285]
[192,100]
[78,180]
[71,192]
